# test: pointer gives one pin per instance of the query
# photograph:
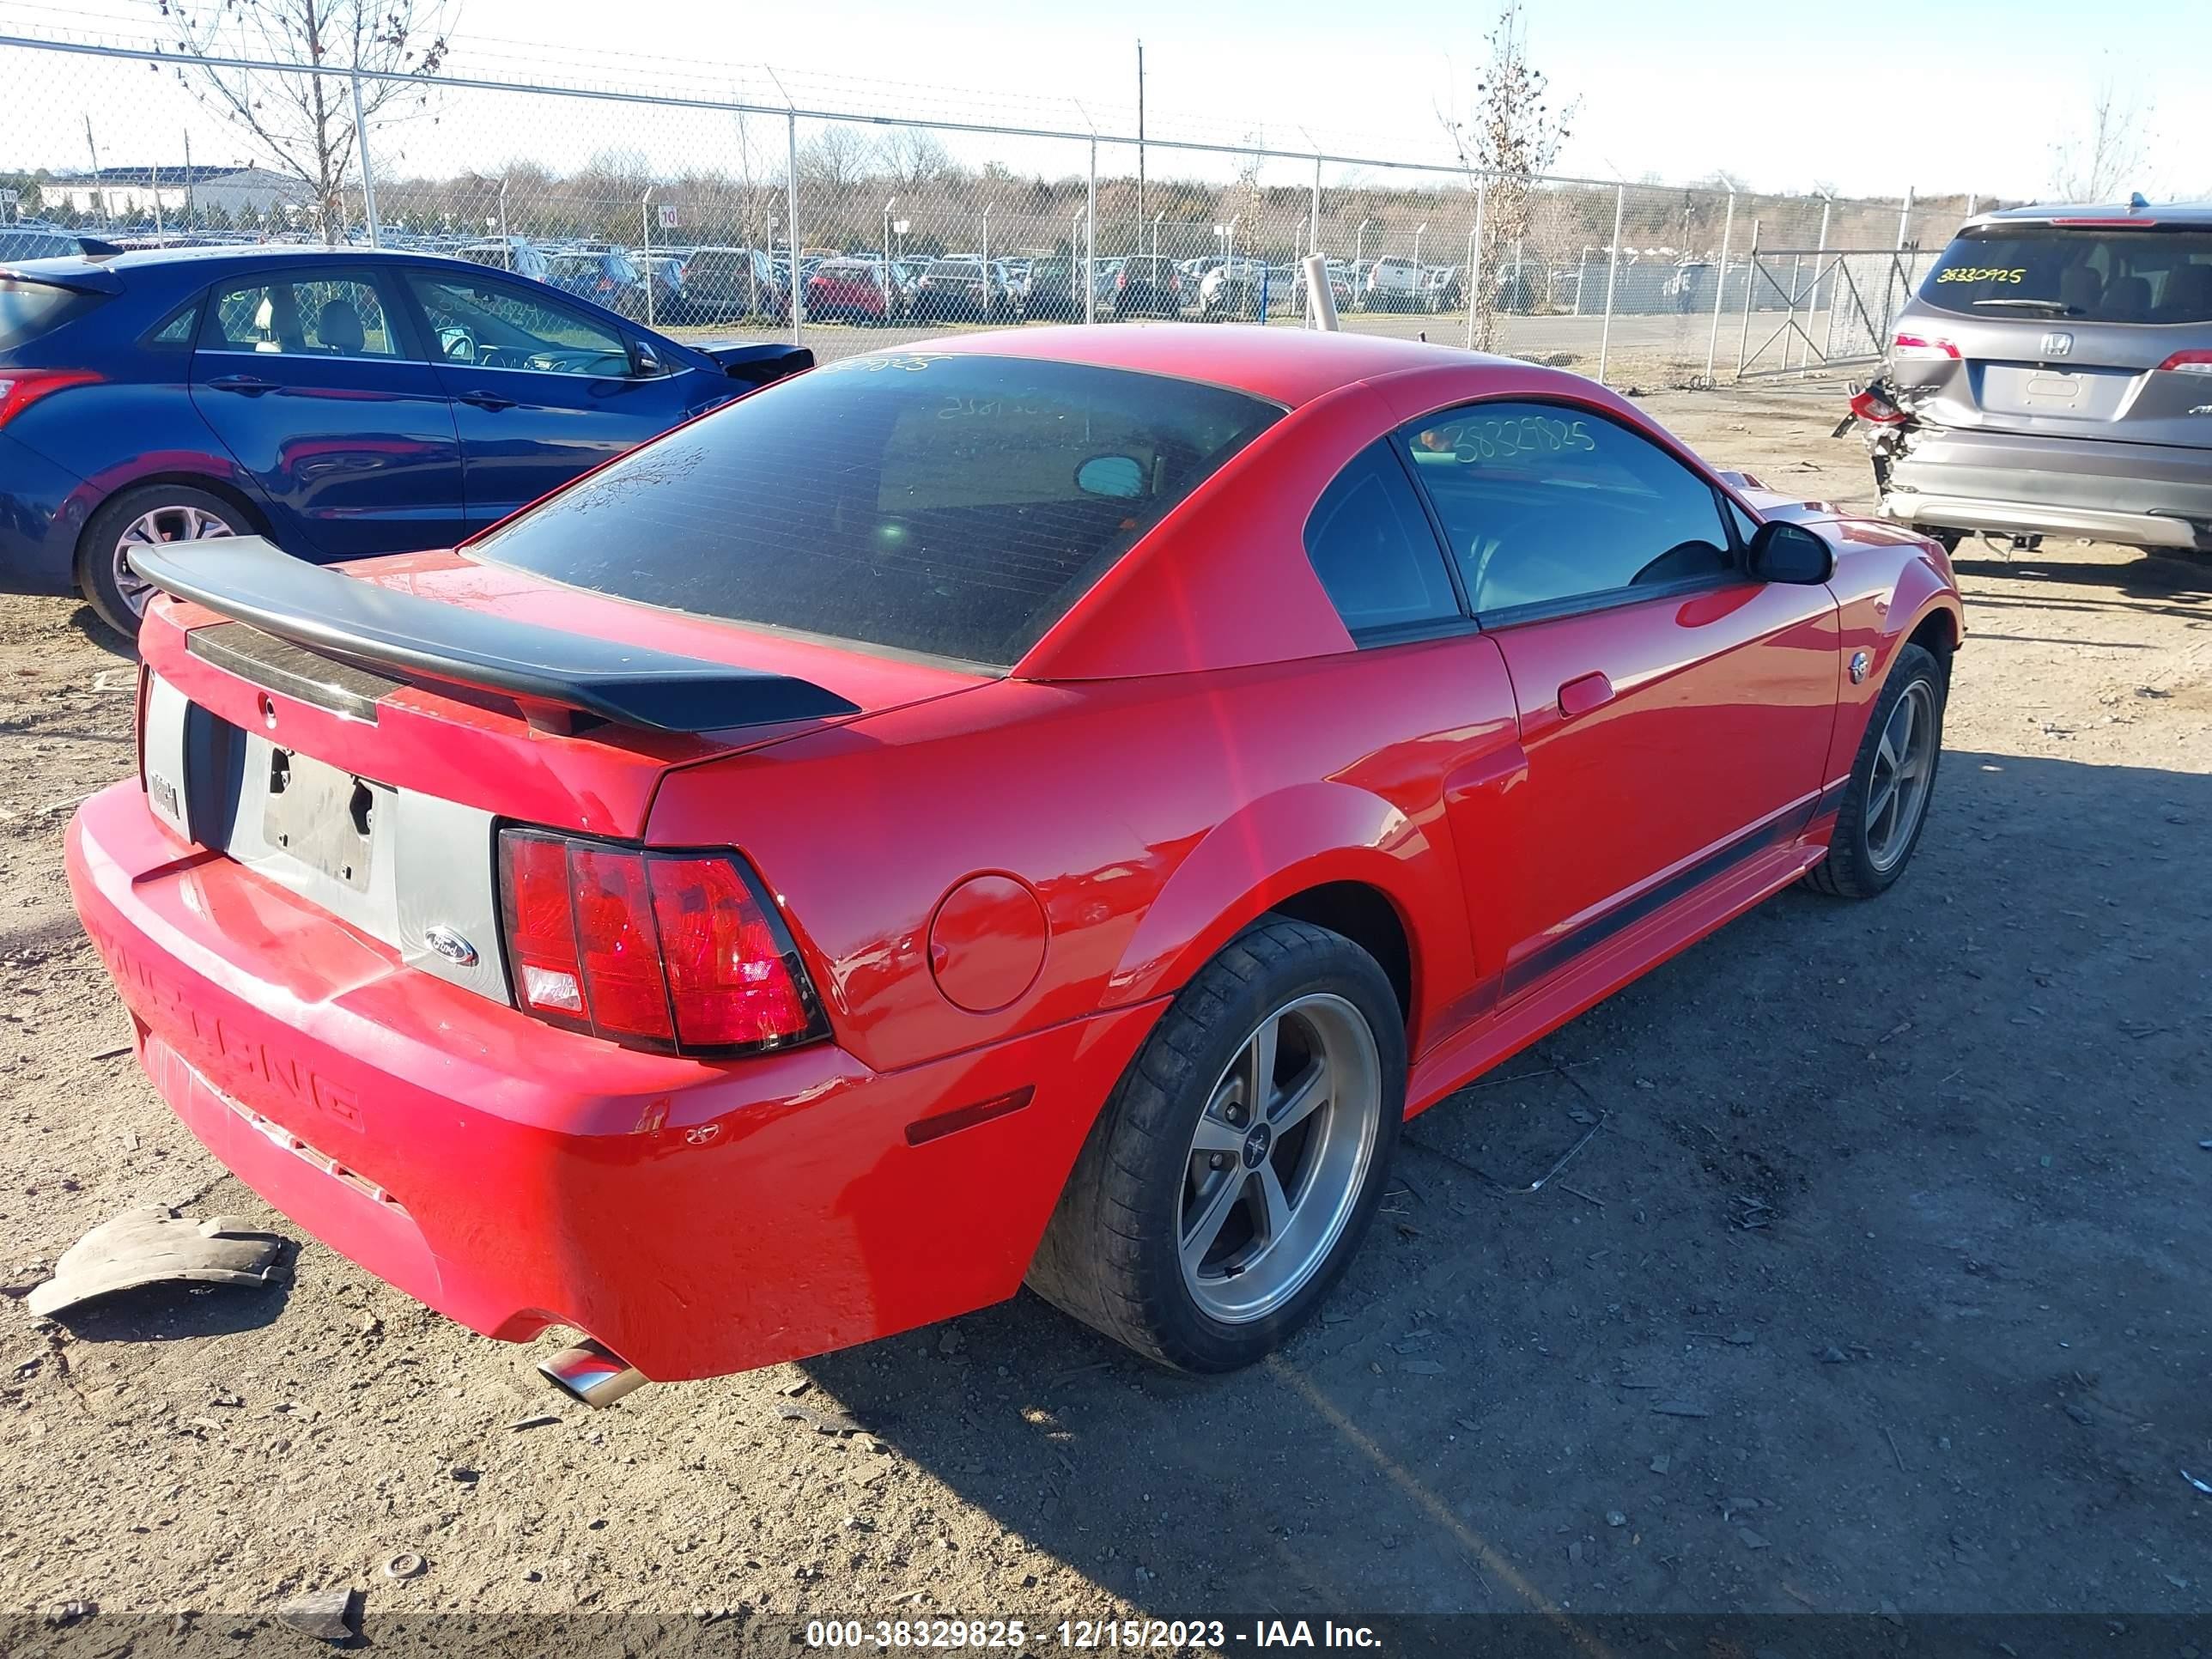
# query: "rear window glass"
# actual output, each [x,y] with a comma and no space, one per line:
[946,505]
[29,310]
[2092,274]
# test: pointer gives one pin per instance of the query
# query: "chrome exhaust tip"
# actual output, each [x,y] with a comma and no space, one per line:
[590,1372]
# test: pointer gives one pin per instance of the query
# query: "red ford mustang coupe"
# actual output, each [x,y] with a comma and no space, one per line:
[1042,808]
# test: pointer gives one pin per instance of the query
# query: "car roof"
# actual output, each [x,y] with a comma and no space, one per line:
[1286,366]
[2159,213]
[239,256]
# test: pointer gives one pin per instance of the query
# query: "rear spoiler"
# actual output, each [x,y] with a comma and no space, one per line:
[759,364]
[63,272]
[549,673]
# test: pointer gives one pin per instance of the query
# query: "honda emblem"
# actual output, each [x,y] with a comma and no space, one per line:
[2057,344]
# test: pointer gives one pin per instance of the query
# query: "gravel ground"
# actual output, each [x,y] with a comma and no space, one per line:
[1881,1284]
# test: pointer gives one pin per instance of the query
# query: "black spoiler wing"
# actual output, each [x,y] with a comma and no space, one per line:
[545,670]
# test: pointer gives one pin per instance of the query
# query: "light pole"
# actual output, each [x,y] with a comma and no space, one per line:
[1418,234]
[1157,217]
[1230,257]
[1076,262]
[1358,246]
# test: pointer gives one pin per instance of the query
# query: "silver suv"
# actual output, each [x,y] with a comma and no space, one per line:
[2055,369]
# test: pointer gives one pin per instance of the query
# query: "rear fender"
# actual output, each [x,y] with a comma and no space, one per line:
[1268,851]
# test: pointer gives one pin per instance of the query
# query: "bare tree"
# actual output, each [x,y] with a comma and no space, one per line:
[2108,155]
[914,158]
[1510,135]
[303,124]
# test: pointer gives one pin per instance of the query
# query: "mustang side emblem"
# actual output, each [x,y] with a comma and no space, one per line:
[451,946]
[1860,662]
[2057,343]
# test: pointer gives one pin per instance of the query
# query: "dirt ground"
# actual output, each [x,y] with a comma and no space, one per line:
[1881,1283]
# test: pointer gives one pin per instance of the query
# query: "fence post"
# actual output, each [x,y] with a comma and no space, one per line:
[1719,289]
[1474,257]
[1612,272]
[367,176]
[1820,271]
[1750,275]
[791,206]
[1091,244]
[645,233]
[1313,245]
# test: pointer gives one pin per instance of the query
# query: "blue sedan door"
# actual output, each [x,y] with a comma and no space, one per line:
[311,378]
[542,390]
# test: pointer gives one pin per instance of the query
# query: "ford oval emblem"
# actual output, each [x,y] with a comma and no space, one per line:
[451,946]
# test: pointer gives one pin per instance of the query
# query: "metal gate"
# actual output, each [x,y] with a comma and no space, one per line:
[1819,308]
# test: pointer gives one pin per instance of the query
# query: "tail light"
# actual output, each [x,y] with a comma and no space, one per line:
[2189,362]
[675,951]
[605,283]
[1120,279]
[1872,407]
[22,388]
[1912,345]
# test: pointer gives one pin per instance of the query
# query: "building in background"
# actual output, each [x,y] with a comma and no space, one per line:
[236,193]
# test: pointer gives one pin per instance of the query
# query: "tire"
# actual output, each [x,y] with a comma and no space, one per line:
[1112,1254]
[148,513]
[1870,850]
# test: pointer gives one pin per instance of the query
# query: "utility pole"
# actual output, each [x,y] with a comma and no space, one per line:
[191,201]
[1140,145]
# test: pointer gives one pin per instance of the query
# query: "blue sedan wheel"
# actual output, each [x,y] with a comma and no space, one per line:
[152,515]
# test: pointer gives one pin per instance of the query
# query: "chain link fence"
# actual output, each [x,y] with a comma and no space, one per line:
[842,230]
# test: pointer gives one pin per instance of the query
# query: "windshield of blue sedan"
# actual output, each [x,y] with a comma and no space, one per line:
[945,505]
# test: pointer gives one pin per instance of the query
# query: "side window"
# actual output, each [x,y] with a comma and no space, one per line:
[495,325]
[178,328]
[1371,544]
[1545,503]
[338,315]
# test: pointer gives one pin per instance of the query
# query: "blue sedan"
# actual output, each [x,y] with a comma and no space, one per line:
[340,401]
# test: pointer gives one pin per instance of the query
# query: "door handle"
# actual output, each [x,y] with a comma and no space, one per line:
[249,384]
[487,400]
[1579,696]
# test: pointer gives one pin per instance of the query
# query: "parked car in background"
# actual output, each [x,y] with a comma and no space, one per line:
[1391,285]
[1233,287]
[605,277]
[1051,293]
[1148,285]
[1339,282]
[1444,288]
[852,291]
[515,254]
[664,284]
[2053,376]
[343,402]
[958,290]
[1012,819]
[724,284]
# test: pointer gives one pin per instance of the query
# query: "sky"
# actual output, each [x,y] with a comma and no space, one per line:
[1969,95]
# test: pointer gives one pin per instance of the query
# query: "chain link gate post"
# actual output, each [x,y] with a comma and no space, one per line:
[368,175]
[1720,289]
[1474,258]
[791,205]
[1750,275]
[1091,241]
[1612,274]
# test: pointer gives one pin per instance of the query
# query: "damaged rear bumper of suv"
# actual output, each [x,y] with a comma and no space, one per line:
[697,1218]
[2146,495]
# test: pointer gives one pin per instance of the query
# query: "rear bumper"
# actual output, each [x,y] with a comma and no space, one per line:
[42,512]
[2141,494]
[697,1219]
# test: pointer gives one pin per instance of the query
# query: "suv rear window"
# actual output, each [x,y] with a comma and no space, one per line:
[2096,274]
[942,504]
[29,310]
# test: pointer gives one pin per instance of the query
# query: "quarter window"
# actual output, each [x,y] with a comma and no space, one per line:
[1545,504]
[322,316]
[1371,544]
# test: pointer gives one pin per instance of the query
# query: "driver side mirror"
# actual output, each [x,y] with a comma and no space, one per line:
[1785,552]
[644,362]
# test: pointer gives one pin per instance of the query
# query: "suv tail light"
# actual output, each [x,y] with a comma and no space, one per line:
[2189,362]
[22,388]
[675,951]
[1912,345]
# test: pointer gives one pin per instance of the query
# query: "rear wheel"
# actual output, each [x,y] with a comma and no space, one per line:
[151,515]
[1238,1163]
[1885,805]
